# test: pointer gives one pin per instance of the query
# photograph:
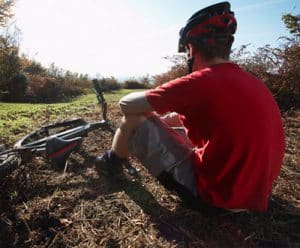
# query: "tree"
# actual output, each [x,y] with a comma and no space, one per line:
[5,11]
[279,67]
[55,71]
[12,83]
[146,80]
[178,69]
[10,65]
[292,22]
[108,83]
[34,68]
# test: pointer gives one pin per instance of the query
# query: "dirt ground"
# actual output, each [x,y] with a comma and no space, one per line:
[44,207]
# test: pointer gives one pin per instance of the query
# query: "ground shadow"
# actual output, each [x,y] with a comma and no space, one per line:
[278,227]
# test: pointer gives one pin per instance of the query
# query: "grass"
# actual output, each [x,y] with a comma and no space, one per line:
[17,119]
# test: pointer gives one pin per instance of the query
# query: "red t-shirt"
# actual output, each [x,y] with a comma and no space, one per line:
[233,120]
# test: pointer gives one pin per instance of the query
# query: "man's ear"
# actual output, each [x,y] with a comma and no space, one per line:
[191,50]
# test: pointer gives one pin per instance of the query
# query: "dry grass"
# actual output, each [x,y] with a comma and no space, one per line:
[41,207]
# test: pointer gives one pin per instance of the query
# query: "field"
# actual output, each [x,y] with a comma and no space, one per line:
[43,207]
[16,119]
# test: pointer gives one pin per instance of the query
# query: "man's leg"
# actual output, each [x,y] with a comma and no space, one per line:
[166,153]
[162,149]
[158,147]
[123,134]
[111,162]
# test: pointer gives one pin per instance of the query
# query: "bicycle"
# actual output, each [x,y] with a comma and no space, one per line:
[55,141]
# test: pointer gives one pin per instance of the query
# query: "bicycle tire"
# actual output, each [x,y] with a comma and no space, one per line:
[8,164]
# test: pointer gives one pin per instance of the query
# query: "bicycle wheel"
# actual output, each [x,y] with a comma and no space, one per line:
[8,163]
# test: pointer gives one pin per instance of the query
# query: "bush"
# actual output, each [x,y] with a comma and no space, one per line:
[108,84]
[5,11]
[17,88]
[278,68]
[34,68]
[134,84]
[178,69]
[47,89]
[44,85]
[10,64]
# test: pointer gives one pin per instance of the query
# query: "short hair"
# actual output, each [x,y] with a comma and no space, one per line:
[221,48]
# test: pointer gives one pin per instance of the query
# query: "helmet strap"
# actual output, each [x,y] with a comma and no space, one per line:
[190,62]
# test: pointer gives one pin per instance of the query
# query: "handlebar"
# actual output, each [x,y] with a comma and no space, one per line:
[101,100]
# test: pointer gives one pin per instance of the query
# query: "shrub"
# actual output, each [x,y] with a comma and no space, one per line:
[10,63]
[17,88]
[34,68]
[47,89]
[108,84]
[178,69]
[278,68]
[134,84]
[5,11]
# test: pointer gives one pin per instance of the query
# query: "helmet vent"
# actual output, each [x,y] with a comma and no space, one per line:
[226,20]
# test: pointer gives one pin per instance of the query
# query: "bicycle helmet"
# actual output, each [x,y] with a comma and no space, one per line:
[212,24]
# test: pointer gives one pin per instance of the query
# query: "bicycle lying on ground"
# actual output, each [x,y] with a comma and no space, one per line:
[56,141]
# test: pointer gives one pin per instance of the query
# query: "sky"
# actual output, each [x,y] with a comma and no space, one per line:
[130,38]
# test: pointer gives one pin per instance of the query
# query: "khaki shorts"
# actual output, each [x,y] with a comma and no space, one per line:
[161,148]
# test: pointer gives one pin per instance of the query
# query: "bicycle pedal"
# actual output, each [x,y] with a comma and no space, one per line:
[132,171]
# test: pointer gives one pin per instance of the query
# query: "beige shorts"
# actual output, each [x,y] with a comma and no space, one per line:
[161,148]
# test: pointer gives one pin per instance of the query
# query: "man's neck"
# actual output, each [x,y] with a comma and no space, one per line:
[201,64]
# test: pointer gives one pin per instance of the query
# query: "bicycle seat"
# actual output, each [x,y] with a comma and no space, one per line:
[58,150]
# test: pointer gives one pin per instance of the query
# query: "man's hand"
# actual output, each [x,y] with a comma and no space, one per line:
[172,119]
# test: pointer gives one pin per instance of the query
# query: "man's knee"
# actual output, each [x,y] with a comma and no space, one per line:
[132,122]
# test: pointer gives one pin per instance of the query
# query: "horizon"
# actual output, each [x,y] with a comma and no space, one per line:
[129,38]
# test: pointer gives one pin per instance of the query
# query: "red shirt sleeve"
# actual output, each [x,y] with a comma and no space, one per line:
[171,96]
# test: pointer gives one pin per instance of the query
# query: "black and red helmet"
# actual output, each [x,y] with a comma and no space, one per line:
[215,22]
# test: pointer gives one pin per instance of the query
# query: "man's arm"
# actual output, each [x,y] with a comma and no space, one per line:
[135,103]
